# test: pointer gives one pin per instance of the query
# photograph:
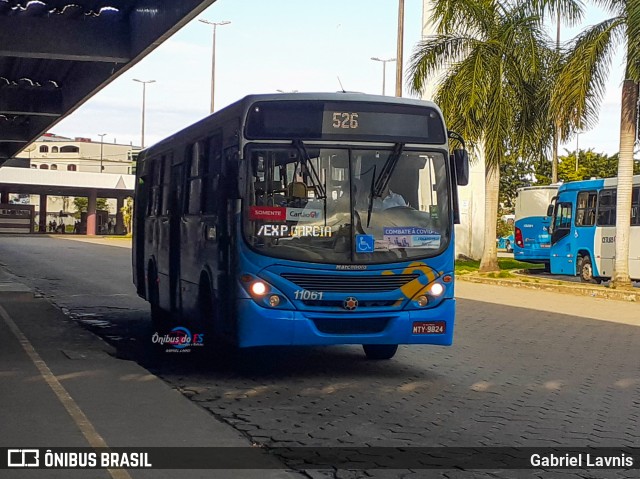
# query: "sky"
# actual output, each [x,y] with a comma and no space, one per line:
[273,45]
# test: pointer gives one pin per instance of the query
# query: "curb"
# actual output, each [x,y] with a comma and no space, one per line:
[579,290]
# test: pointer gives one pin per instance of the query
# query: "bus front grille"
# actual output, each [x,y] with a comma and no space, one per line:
[349,284]
[380,303]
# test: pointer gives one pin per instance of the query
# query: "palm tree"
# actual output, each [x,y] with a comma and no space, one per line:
[494,56]
[586,71]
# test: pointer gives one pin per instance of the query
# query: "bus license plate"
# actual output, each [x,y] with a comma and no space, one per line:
[429,327]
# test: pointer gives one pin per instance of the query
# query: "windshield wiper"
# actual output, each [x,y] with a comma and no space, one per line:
[371,194]
[388,168]
[315,179]
[378,185]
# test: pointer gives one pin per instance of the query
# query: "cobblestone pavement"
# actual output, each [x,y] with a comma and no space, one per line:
[516,376]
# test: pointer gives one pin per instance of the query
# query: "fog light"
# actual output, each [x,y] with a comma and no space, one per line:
[258,288]
[436,289]
[274,300]
[422,300]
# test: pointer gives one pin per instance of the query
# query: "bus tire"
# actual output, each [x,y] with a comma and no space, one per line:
[380,351]
[585,270]
[159,317]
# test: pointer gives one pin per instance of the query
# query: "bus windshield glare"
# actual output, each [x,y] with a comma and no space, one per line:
[346,205]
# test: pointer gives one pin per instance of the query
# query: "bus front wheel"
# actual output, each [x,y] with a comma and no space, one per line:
[380,351]
[585,270]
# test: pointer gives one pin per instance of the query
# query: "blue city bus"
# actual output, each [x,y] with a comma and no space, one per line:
[531,226]
[303,219]
[583,230]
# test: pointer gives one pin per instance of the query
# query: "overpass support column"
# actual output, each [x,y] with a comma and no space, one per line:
[119,230]
[4,196]
[91,213]
[42,222]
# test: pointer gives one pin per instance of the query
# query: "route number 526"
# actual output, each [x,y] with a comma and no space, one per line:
[345,120]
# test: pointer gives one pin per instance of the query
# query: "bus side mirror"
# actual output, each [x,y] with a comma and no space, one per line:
[550,210]
[461,165]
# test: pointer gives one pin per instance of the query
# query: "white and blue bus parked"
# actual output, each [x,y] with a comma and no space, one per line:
[531,226]
[583,231]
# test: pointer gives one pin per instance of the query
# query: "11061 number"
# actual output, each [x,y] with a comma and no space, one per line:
[304,294]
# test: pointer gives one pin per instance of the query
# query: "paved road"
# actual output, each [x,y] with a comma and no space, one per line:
[516,376]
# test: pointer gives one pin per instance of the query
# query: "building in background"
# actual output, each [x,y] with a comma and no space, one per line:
[73,155]
[470,231]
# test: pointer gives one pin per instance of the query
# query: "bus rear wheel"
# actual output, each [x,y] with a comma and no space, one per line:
[585,270]
[380,351]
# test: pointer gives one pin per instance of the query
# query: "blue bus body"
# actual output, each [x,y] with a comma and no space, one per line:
[583,230]
[385,315]
[532,240]
[303,219]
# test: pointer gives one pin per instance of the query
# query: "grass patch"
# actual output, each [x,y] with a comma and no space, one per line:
[464,266]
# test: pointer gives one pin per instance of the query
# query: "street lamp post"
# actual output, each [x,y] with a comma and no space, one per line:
[213,57]
[400,48]
[101,135]
[577,149]
[384,70]
[144,94]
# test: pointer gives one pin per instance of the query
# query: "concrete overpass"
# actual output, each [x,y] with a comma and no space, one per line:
[56,54]
[68,183]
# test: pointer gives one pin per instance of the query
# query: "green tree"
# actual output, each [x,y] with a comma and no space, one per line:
[514,173]
[581,84]
[493,58]
[82,204]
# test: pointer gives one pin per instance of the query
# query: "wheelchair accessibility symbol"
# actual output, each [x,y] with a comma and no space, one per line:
[365,243]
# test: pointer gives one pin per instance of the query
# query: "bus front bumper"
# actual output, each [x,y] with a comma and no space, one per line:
[259,326]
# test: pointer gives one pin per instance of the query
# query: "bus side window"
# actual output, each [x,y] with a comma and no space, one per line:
[156,189]
[586,208]
[150,185]
[635,206]
[166,180]
[607,208]
[211,174]
[194,187]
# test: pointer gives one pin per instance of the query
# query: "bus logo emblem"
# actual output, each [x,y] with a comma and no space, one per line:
[350,303]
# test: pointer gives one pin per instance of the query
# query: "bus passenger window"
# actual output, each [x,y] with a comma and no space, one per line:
[607,208]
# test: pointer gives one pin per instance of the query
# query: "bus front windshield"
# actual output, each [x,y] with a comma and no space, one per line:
[346,205]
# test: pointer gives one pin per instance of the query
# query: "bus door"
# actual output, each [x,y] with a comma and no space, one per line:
[176,198]
[212,223]
[562,256]
[191,235]
[164,233]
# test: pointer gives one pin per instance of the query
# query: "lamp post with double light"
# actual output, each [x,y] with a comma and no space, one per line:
[213,56]
[384,70]
[144,94]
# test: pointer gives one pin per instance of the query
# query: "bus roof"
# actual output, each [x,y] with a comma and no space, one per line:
[542,187]
[342,96]
[594,184]
[241,107]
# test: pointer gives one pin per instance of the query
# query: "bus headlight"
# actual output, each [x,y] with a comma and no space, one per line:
[422,300]
[263,293]
[274,300]
[436,289]
[259,288]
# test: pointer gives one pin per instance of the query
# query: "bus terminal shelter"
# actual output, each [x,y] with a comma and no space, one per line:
[68,183]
